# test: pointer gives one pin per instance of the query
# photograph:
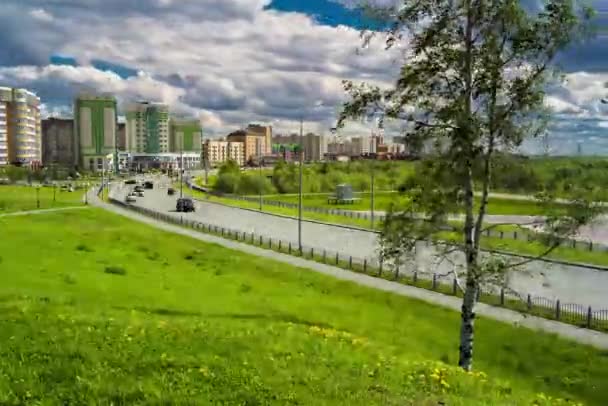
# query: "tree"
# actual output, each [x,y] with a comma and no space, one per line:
[471,85]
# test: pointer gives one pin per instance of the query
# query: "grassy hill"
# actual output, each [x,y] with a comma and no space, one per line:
[98,308]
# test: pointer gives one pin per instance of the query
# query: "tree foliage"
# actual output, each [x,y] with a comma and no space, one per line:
[471,85]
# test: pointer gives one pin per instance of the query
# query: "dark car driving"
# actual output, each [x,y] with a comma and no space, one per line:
[170,191]
[185,205]
[148,185]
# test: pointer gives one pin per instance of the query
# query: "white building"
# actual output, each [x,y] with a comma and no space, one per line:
[20,127]
[147,128]
[216,152]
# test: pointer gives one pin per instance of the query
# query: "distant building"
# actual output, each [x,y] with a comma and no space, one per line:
[20,127]
[188,130]
[95,130]
[59,143]
[121,136]
[360,146]
[254,145]
[314,146]
[147,128]
[216,152]
[262,131]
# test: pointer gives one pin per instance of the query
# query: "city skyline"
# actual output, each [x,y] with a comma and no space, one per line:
[303,51]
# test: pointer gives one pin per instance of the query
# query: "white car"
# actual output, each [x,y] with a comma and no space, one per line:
[130,198]
[140,194]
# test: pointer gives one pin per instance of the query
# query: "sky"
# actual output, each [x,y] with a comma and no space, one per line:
[231,62]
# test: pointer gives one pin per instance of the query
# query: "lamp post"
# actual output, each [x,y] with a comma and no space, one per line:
[37,187]
[372,196]
[86,194]
[54,192]
[181,167]
[261,182]
[301,159]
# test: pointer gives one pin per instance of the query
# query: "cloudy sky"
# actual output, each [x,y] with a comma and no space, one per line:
[231,62]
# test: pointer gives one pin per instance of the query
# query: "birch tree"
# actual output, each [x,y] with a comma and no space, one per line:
[471,85]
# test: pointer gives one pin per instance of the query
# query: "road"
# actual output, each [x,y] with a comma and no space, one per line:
[569,283]
[580,335]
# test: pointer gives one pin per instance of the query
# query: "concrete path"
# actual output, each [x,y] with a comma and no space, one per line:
[583,336]
[41,211]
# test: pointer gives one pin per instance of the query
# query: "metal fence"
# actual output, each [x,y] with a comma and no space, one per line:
[504,297]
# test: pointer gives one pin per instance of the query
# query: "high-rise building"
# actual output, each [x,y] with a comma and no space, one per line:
[188,130]
[314,146]
[147,129]
[360,146]
[20,127]
[121,136]
[216,152]
[254,145]
[95,129]
[262,131]
[58,143]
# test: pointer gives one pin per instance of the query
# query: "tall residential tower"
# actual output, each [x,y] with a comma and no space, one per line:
[147,128]
[95,128]
[20,127]
[188,130]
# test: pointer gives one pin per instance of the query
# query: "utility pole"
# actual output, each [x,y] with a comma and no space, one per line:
[261,182]
[301,184]
[372,187]
[181,168]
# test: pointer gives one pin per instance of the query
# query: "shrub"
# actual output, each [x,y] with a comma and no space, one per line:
[115,270]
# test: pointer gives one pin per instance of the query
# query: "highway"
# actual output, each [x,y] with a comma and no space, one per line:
[569,283]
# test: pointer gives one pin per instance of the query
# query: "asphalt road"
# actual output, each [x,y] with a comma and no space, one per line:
[571,284]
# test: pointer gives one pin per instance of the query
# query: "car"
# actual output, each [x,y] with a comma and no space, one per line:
[185,205]
[130,182]
[130,198]
[170,191]
[148,185]
[138,188]
[140,194]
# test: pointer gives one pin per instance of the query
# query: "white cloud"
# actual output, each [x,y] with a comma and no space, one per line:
[41,15]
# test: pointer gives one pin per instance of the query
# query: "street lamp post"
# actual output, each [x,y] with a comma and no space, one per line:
[261,183]
[54,192]
[86,194]
[181,167]
[301,159]
[372,196]
[37,196]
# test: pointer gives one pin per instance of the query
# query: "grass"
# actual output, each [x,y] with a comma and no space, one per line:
[383,200]
[23,198]
[191,322]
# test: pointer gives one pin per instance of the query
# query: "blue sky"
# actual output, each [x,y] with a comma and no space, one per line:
[230,62]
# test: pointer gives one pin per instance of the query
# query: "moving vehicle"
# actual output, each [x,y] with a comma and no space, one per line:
[130,198]
[139,194]
[130,182]
[185,205]
[138,188]
[170,191]
[148,185]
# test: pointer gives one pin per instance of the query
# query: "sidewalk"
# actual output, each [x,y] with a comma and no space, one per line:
[41,211]
[580,335]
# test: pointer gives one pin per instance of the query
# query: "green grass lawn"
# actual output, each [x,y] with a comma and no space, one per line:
[112,311]
[383,200]
[21,198]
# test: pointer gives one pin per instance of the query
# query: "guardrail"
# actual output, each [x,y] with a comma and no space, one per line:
[572,313]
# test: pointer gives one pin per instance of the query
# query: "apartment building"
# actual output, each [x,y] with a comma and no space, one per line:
[20,127]
[58,142]
[147,128]
[95,129]
[314,146]
[215,152]
[254,145]
[264,131]
[185,134]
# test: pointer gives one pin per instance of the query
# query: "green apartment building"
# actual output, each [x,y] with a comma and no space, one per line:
[95,129]
[147,128]
[190,131]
